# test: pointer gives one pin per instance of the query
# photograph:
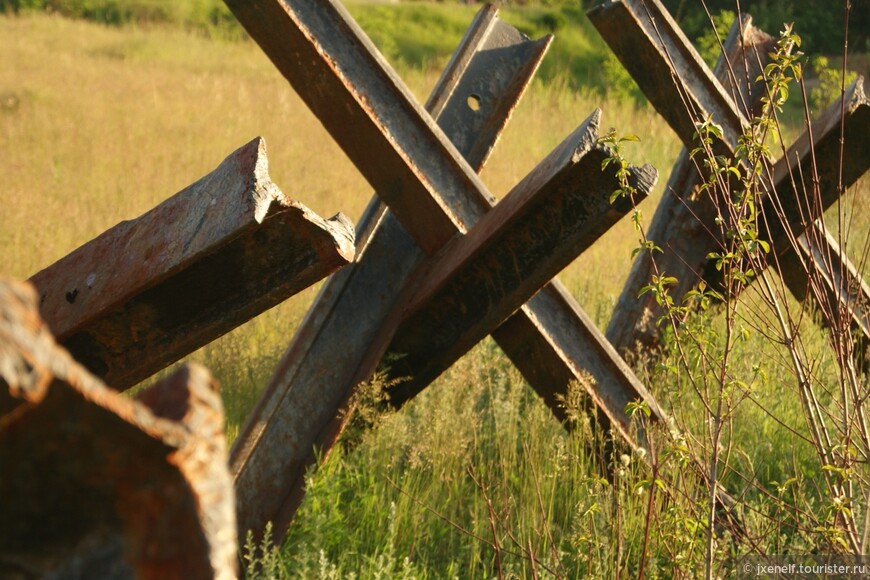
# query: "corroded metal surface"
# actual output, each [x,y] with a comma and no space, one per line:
[370,113]
[796,199]
[277,442]
[98,485]
[667,68]
[683,91]
[477,281]
[837,279]
[151,290]
[494,63]
[684,224]
[813,264]
[817,153]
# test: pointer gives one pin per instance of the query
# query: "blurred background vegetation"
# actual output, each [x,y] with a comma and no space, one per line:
[422,34]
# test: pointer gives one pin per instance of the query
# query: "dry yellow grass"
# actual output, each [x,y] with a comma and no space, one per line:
[106,123]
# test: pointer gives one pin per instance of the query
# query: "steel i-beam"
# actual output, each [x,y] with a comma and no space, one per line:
[99,485]
[478,280]
[572,343]
[151,290]
[836,282]
[359,99]
[837,156]
[668,69]
[493,66]
[683,223]
[646,39]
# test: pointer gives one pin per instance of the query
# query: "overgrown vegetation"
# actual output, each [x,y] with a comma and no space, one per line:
[474,478]
[820,508]
[819,21]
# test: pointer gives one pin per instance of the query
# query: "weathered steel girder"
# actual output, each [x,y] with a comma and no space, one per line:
[805,182]
[360,100]
[99,485]
[494,63]
[151,290]
[278,440]
[835,281]
[478,280]
[819,166]
[810,178]
[677,83]
[668,69]
[684,223]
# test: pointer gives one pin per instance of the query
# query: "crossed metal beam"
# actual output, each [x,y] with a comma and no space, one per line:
[433,196]
[681,88]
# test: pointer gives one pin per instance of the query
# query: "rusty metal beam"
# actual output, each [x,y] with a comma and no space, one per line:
[99,485]
[668,69]
[655,50]
[837,279]
[838,157]
[478,280]
[842,128]
[683,223]
[494,62]
[277,443]
[796,200]
[369,112]
[554,343]
[151,290]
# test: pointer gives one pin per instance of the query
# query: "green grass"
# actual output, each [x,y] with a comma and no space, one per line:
[422,35]
[98,124]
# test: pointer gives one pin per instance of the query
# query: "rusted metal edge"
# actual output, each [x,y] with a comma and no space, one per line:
[799,258]
[747,50]
[478,280]
[474,113]
[495,62]
[612,376]
[684,223]
[105,486]
[817,152]
[794,202]
[840,282]
[680,104]
[665,65]
[573,352]
[395,144]
[442,272]
[686,249]
[151,290]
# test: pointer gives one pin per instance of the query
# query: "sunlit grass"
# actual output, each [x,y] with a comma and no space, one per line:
[98,125]
[109,122]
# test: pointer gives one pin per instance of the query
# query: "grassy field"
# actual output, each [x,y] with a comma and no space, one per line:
[99,124]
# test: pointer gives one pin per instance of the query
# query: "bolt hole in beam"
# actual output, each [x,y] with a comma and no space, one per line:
[473,102]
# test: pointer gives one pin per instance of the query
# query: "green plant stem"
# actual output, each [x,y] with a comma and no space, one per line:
[647,524]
